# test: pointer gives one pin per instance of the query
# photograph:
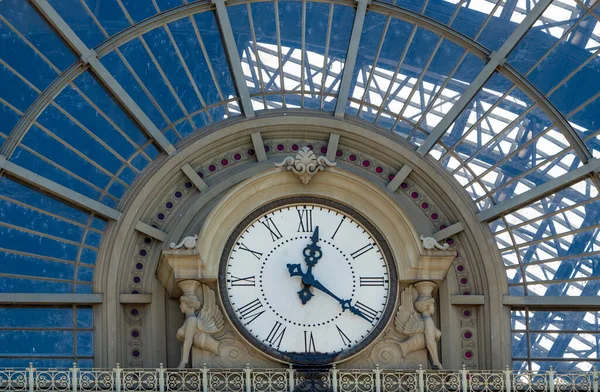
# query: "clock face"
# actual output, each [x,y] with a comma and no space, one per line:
[307,280]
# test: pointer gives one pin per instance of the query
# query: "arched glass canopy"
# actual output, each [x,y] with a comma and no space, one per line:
[505,94]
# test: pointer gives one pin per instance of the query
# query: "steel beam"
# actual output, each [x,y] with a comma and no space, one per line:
[332,146]
[194,177]
[57,190]
[90,57]
[153,232]
[552,301]
[496,59]
[448,232]
[399,178]
[135,298]
[357,28]
[259,147]
[235,63]
[540,191]
[49,299]
[472,300]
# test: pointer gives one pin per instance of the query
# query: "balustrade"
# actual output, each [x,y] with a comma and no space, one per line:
[282,380]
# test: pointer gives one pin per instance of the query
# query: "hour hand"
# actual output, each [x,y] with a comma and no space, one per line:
[295,270]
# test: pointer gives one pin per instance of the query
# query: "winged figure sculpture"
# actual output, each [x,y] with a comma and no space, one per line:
[414,320]
[201,321]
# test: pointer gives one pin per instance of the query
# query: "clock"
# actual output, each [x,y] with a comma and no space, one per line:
[307,280]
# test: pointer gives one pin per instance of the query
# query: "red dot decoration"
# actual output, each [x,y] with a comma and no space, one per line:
[137,279]
[139,266]
[464,281]
[310,147]
[200,174]
[143,252]
[468,335]
[323,150]
[339,153]
[450,241]
[267,148]
[460,268]
[468,354]
[135,333]
[134,311]
[391,177]
[404,185]
[466,313]
[434,216]
[295,147]
[160,216]
[424,206]
[178,194]
[212,168]
[135,353]
[224,162]
[237,156]
[379,170]
[442,227]
[251,152]
[366,163]
[352,157]
[280,147]
[414,195]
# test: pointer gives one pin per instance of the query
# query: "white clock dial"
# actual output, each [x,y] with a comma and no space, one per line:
[306,281]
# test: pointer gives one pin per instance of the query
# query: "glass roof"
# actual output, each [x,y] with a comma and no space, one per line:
[534,119]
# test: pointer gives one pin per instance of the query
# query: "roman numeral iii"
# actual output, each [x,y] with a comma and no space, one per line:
[371,281]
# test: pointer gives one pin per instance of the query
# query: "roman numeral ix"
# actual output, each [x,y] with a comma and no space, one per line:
[247,281]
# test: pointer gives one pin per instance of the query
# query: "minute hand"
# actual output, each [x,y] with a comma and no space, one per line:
[345,303]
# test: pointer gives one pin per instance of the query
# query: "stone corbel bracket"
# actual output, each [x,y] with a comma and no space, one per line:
[177,265]
[433,265]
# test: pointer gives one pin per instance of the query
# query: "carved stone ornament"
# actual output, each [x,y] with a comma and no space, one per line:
[414,321]
[306,164]
[431,243]
[186,242]
[203,318]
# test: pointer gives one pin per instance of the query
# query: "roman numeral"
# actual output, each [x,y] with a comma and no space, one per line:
[371,281]
[305,225]
[361,251]
[253,252]
[251,311]
[368,312]
[345,339]
[270,225]
[338,227]
[247,281]
[309,343]
[276,335]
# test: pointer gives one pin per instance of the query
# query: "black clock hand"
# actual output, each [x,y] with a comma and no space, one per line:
[345,303]
[312,253]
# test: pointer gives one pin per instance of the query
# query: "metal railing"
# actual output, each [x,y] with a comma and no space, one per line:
[283,380]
